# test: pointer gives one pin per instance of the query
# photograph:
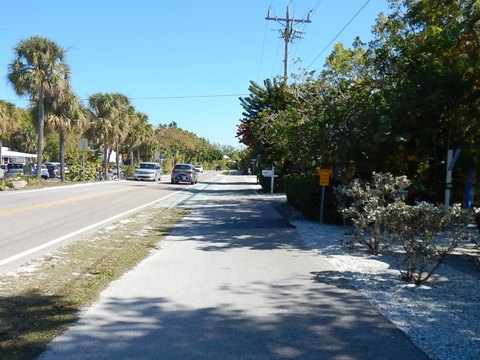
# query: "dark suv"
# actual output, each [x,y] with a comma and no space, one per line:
[184,173]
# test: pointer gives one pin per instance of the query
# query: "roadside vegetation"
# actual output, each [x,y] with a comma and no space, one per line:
[59,127]
[393,105]
[41,299]
[419,236]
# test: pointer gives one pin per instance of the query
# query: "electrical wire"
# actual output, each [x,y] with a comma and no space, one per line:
[339,33]
[158,97]
[185,97]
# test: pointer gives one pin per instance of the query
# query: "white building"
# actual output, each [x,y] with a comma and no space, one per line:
[16,156]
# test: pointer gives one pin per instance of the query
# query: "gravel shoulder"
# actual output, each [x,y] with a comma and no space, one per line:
[441,317]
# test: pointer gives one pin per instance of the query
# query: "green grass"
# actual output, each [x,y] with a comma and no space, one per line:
[38,301]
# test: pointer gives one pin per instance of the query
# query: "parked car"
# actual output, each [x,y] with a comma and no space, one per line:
[44,171]
[184,173]
[53,169]
[198,168]
[14,169]
[148,171]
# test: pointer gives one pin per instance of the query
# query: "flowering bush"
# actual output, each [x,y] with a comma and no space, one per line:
[426,233]
[363,204]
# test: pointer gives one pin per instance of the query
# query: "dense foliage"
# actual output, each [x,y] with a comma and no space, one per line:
[396,103]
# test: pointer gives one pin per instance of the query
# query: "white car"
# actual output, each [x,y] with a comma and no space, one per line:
[198,168]
[148,171]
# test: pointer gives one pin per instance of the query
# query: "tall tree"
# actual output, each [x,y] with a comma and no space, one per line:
[138,133]
[101,105]
[39,71]
[66,115]
[121,117]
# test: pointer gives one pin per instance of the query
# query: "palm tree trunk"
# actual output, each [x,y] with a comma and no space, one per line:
[61,134]
[41,124]
[105,160]
[117,159]
[1,145]
[130,155]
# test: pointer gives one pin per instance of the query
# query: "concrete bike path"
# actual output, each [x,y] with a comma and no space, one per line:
[232,281]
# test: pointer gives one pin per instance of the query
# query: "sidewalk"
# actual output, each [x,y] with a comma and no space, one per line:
[233,281]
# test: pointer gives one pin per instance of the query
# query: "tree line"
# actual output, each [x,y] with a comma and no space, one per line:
[394,104]
[57,119]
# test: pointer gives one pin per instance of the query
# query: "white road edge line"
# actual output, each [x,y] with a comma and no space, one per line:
[62,238]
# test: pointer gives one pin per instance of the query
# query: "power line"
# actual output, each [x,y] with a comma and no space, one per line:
[288,33]
[312,12]
[158,97]
[185,97]
[336,36]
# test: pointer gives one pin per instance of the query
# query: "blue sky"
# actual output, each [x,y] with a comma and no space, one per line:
[172,57]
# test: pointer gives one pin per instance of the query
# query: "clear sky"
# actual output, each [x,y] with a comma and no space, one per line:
[184,61]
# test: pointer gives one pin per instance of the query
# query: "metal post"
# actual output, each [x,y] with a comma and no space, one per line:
[452,157]
[322,201]
[272,179]
[448,178]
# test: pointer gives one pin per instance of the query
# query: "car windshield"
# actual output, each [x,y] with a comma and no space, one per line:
[148,166]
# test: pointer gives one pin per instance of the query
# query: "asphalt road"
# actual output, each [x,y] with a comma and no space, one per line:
[33,222]
[232,281]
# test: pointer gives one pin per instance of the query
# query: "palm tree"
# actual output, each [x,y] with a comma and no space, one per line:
[7,121]
[138,132]
[39,71]
[66,114]
[122,116]
[101,106]
[25,138]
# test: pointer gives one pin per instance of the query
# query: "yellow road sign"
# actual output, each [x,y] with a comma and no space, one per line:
[324,176]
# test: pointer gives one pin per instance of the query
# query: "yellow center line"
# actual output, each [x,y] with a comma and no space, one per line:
[59,202]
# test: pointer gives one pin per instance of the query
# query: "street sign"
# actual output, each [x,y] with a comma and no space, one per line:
[267,173]
[324,176]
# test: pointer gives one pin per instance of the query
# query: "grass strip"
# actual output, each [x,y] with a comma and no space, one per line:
[39,300]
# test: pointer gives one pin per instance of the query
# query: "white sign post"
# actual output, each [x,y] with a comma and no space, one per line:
[270,174]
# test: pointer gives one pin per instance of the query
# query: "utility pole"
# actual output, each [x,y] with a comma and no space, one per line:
[288,33]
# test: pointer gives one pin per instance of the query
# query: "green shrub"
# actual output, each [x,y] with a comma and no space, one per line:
[419,237]
[5,184]
[128,171]
[363,204]
[427,234]
[75,172]
[303,193]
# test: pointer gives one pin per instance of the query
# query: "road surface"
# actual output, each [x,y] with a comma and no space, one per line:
[33,222]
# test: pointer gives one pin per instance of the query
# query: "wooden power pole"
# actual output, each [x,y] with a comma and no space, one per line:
[288,33]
